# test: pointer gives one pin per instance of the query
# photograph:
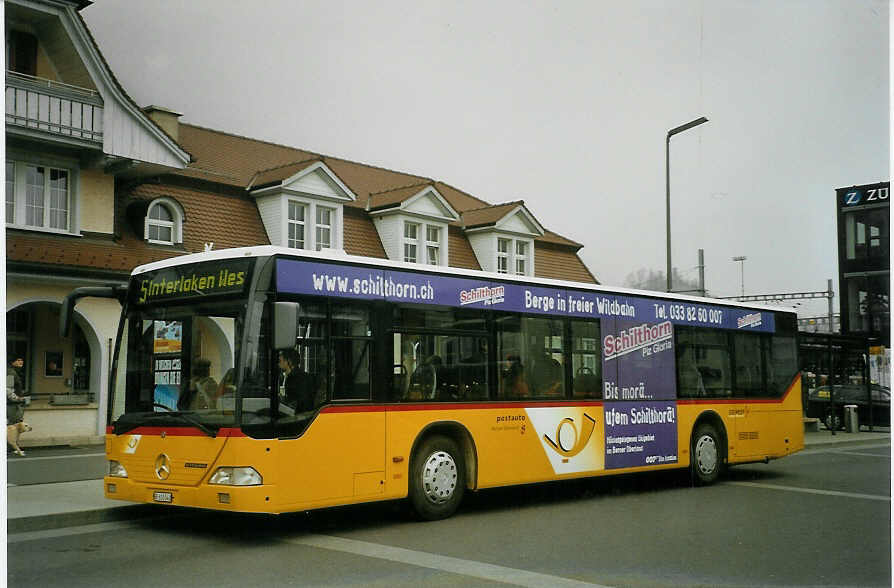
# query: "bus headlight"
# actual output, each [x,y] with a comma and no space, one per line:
[116,470]
[244,476]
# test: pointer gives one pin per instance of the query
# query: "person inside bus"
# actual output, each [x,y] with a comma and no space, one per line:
[425,380]
[691,382]
[474,376]
[202,389]
[515,384]
[295,385]
[227,386]
[546,373]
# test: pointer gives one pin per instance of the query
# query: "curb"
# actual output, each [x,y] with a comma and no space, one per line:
[69,441]
[76,519]
[842,443]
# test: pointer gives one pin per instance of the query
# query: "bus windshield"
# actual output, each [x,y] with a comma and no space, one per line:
[178,365]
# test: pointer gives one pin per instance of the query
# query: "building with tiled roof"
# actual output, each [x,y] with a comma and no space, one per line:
[96,186]
[362,209]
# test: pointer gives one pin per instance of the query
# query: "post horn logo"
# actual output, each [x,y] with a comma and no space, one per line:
[162,467]
[568,442]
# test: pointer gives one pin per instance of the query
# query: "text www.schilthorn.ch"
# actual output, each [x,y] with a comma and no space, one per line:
[373,286]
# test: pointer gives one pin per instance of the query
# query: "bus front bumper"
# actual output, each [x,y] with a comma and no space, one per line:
[232,498]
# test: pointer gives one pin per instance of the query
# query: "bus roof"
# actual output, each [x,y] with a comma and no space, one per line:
[340,256]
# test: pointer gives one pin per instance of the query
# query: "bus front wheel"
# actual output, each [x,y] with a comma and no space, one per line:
[437,478]
[707,456]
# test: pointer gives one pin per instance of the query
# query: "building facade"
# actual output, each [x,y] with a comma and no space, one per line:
[864,270]
[96,185]
[71,133]
[864,261]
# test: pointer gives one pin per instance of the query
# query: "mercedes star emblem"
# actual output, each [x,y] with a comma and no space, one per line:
[163,467]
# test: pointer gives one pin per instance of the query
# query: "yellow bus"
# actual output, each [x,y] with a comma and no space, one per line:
[273,380]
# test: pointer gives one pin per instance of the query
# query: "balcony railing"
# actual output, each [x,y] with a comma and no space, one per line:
[53,107]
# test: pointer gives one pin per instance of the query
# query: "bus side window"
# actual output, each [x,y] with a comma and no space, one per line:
[586,359]
[703,363]
[781,356]
[445,368]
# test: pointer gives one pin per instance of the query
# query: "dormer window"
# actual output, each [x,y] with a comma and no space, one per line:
[412,223]
[164,222]
[502,237]
[428,251]
[521,258]
[503,255]
[433,244]
[311,225]
[297,213]
[160,225]
[411,241]
[324,227]
[302,205]
[513,256]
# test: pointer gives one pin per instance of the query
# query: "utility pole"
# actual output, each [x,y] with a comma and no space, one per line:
[667,183]
[701,272]
[741,259]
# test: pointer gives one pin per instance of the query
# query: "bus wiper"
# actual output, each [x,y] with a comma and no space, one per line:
[189,419]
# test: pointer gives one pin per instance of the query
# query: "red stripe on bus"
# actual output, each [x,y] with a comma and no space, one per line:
[425,406]
[489,405]
[178,431]
[352,408]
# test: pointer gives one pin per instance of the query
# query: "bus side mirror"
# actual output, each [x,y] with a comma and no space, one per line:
[67,312]
[285,324]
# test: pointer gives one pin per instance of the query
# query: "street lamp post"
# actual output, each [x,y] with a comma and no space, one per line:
[671,133]
[741,259]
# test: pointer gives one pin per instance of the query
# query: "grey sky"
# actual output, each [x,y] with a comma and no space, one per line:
[562,104]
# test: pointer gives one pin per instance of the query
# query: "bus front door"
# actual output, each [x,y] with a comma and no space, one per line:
[339,459]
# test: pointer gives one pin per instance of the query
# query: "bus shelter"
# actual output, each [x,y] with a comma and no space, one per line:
[836,381]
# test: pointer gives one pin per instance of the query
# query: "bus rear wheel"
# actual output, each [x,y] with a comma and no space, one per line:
[437,478]
[707,456]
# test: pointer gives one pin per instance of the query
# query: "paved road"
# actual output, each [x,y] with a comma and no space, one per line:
[821,517]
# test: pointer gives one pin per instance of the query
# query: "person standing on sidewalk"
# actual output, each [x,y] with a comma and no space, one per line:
[15,392]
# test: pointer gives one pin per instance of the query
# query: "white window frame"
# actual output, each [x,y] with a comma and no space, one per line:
[432,246]
[507,262]
[320,226]
[299,224]
[503,256]
[409,241]
[175,210]
[160,224]
[521,257]
[312,229]
[425,251]
[19,193]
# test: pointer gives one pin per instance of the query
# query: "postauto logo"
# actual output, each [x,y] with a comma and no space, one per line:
[569,441]
[571,438]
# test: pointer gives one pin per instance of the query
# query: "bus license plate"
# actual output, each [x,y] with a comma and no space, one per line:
[163,497]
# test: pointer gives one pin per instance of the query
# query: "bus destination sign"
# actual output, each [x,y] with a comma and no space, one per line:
[226,276]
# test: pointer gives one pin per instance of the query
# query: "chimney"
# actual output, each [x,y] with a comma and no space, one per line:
[166,118]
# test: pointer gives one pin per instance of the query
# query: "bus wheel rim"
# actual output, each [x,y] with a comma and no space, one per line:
[439,476]
[706,454]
